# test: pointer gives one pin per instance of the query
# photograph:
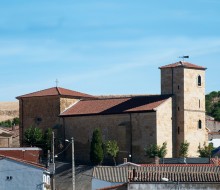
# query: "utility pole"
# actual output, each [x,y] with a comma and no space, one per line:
[53,162]
[73,164]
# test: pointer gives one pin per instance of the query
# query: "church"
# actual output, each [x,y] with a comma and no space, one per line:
[134,121]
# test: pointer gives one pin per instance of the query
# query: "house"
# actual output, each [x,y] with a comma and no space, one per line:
[31,154]
[163,176]
[9,136]
[5,137]
[23,175]
[135,121]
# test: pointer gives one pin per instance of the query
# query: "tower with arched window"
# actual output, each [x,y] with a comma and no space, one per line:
[186,82]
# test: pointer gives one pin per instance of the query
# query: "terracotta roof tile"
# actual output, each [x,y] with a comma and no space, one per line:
[154,173]
[23,161]
[56,91]
[116,105]
[183,64]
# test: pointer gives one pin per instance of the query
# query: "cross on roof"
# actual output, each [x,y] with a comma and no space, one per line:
[57,82]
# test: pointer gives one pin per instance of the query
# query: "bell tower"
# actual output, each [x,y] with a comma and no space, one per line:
[186,82]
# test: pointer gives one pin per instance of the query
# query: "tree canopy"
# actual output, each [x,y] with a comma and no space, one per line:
[155,150]
[112,149]
[213,104]
[33,136]
[184,147]
[206,150]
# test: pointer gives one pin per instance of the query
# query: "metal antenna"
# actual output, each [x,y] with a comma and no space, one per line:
[184,57]
[57,82]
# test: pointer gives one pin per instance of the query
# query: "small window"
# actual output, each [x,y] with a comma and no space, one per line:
[178,87]
[200,124]
[178,130]
[44,178]
[178,108]
[48,180]
[199,81]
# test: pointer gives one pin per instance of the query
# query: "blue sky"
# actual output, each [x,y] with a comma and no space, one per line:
[104,46]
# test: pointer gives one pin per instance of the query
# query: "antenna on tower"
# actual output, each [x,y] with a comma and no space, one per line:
[184,57]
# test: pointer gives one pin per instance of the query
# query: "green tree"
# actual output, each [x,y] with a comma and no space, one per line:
[112,149]
[15,121]
[47,138]
[205,151]
[33,136]
[155,150]
[212,103]
[96,149]
[184,147]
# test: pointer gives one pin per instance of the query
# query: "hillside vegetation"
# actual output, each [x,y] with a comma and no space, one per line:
[213,104]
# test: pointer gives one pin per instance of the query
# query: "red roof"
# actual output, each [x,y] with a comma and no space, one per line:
[23,161]
[56,91]
[183,64]
[116,105]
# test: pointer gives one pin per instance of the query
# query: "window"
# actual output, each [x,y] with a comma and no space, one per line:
[178,87]
[48,180]
[9,178]
[199,81]
[178,108]
[200,124]
[178,130]
[44,178]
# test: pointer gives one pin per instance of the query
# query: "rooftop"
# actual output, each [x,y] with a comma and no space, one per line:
[154,173]
[183,64]
[23,161]
[116,105]
[56,91]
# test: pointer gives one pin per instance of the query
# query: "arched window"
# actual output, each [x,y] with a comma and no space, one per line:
[200,124]
[199,81]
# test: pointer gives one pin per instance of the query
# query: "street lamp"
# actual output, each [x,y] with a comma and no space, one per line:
[73,164]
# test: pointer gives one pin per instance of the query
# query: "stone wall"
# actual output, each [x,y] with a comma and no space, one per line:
[188,105]
[194,109]
[162,186]
[140,128]
[164,126]
[42,112]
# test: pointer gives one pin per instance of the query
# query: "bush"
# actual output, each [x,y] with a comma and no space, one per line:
[205,151]
[154,150]
[184,147]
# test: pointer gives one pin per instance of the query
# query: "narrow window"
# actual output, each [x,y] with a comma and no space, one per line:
[200,124]
[178,130]
[199,81]
[178,108]
[178,87]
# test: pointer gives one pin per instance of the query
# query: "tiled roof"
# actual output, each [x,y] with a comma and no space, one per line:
[183,64]
[23,161]
[180,174]
[116,105]
[56,91]
[154,173]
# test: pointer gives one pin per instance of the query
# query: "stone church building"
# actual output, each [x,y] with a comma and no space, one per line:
[135,122]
